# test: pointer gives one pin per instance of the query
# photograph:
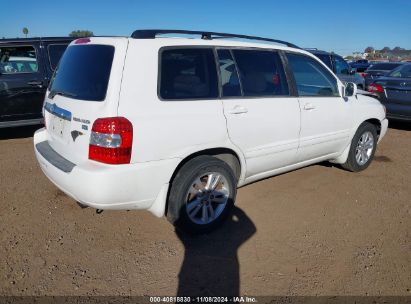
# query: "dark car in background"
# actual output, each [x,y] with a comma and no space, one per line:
[394,91]
[26,66]
[340,67]
[360,65]
[378,69]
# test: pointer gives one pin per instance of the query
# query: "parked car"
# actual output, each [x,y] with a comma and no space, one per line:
[26,66]
[377,70]
[360,65]
[394,91]
[340,67]
[195,120]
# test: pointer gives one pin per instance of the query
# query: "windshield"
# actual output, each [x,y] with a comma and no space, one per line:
[403,71]
[83,72]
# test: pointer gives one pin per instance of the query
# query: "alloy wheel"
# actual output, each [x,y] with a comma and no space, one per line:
[364,148]
[207,197]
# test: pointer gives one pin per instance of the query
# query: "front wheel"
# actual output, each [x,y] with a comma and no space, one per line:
[362,148]
[202,194]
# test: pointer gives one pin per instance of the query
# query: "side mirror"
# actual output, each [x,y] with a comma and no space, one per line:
[350,89]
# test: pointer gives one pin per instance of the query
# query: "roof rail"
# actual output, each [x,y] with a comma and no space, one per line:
[151,34]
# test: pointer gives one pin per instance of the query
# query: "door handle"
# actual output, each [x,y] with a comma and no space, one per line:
[35,83]
[309,106]
[238,110]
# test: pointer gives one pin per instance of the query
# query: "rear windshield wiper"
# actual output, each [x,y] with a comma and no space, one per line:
[56,92]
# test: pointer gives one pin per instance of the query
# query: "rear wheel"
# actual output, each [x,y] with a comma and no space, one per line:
[362,148]
[201,195]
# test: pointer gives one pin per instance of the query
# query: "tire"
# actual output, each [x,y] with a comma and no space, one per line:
[191,197]
[362,148]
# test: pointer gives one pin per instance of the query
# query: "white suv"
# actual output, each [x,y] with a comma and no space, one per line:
[175,125]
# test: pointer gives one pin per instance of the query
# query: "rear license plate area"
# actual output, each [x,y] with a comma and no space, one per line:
[58,126]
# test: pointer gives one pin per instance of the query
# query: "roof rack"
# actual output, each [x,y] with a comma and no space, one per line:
[151,34]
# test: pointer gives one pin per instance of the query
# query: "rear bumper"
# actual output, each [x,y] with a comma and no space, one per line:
[396,110]
[399,117]
[132,186]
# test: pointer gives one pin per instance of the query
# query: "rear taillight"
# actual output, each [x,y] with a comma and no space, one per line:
[375,88]
[364,75]
[111,140]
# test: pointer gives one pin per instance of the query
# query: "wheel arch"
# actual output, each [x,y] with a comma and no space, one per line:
[231,157]
[342,158]
[234,159]
[374,121]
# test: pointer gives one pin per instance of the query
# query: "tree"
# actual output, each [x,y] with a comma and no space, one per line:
[385,49]
[81,33]
[369,49]
[25,31]
[397,48]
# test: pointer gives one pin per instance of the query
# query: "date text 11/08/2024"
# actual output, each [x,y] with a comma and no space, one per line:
[203,299]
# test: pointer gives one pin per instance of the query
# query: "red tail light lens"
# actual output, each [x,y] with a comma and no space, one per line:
[375,88]
[364,74]
[111,140]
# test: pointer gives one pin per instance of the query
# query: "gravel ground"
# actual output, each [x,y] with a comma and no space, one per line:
[315,231]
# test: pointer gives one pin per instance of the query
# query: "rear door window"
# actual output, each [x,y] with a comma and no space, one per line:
[84,72]
[312,79]
[341,66]
[261,73]
[18,59]
[188,73]
[55,51]
[230,83]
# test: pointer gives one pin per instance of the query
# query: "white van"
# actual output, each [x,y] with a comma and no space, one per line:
[175,125]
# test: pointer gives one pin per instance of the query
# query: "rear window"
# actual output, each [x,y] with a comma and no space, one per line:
[403,71]
[83,72]
[188,74]
[384,66]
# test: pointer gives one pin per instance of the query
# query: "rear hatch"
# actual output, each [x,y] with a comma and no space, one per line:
[85,87]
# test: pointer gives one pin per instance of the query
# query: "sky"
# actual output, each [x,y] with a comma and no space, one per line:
[340,26]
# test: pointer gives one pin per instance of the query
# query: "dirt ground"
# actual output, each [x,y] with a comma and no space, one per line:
[315,231]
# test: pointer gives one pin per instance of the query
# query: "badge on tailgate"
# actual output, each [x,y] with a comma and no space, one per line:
[75,134]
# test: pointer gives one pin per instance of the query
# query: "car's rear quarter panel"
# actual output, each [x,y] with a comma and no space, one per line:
[165,129]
